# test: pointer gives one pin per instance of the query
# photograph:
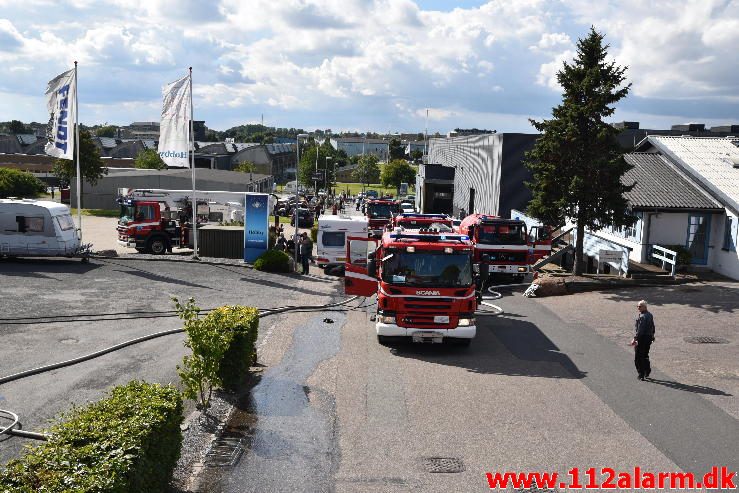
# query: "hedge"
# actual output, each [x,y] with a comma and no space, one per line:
[129,441]
[243,323]
[17,183]
[273,261]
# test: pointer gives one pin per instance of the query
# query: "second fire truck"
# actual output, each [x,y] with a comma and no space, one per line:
[501,244]
[379,213]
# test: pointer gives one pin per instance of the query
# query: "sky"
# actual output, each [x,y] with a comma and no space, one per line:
[367,65]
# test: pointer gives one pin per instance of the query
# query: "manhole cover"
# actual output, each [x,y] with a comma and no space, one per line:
[443,464]
[706,340]
[225,451]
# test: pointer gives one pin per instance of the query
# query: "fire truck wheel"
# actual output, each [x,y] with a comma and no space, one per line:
[158,246]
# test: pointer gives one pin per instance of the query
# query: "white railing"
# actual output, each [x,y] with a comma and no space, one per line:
[666,256]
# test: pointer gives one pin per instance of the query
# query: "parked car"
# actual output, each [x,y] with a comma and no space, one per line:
[407,208]
[305,218]
[372,194]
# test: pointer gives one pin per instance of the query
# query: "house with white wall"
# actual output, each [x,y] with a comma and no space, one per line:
[686,192]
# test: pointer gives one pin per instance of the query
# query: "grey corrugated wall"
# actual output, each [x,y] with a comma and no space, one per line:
[477,159]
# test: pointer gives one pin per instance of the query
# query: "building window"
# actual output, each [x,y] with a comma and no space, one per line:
[730,234]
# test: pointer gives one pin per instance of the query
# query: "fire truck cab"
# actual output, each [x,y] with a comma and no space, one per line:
[379,213]
[440,222]
[501,244]
[424,282]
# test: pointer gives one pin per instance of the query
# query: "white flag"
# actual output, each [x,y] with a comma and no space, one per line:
[61,100]
[174,130]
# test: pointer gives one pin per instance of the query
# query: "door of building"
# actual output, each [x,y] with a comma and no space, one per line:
[699,226]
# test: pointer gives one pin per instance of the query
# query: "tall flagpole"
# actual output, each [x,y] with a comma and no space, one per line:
[192,167]
[77,148]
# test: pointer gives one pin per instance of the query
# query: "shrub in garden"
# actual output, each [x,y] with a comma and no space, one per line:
[17,183]
[273,261]
[314,233]
[129,441]
[222,345]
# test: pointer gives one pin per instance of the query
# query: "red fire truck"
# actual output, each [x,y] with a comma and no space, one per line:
[423,280]
[500,243]
[155,220]
[379,213]
[423,221]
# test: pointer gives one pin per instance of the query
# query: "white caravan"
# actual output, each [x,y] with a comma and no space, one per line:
[332,234]
[36,228]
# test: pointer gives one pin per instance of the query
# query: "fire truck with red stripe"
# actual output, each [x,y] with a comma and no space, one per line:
[440,222]
[379,213]
[425,284]
[501,244]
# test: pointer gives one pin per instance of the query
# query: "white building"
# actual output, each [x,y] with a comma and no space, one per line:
[687,194]
[357,146]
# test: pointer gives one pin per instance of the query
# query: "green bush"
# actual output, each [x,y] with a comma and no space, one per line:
[223,348]
[129,441]
[243,323]
[273,261]
[683,254]
[17,183]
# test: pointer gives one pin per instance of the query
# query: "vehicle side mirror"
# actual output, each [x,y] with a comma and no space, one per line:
[470,231]
[484,270]
[371,267]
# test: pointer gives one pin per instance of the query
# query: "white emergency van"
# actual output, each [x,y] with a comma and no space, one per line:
[332,234]
[36,228]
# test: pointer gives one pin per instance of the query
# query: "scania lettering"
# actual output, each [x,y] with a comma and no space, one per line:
[424,282]
[501,244]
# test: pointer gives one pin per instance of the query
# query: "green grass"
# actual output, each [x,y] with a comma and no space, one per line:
[283,220]
[355,188]
[97,212]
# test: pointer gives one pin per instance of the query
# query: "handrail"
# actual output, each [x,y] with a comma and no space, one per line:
[664,257]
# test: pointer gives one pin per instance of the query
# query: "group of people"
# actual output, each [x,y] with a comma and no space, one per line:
[304,246]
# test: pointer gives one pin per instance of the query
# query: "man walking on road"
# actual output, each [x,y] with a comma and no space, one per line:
[306,252]
[643,338]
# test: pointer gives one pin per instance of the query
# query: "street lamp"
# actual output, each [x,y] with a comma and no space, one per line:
[297,164]
[325,180]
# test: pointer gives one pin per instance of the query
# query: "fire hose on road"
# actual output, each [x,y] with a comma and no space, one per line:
[13,430]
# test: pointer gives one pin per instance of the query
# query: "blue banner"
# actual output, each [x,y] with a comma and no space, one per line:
[256,225]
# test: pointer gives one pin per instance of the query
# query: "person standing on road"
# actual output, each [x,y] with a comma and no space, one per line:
[306,252]
[643,338]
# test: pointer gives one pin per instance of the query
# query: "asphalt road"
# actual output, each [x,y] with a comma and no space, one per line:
[532,393]
[126,294]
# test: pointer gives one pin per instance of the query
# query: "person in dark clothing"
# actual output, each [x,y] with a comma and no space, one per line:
[643,338]
[306,252]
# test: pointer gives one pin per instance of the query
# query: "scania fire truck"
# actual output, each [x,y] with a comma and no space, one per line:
[379,213]
[500,243]
[423,280]
[440,222]
[157,220]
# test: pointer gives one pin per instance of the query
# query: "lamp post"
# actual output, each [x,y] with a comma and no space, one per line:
[326,182]
[297,165]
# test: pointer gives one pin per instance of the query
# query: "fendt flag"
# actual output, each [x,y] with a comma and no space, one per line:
[61,100]
[174,130]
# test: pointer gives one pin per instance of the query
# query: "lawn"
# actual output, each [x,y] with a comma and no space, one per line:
[355,188]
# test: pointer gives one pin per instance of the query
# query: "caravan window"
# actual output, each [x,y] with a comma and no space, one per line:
[29,224]
[333,238]
[65,222]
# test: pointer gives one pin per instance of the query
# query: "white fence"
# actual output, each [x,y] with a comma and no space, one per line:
[666,256]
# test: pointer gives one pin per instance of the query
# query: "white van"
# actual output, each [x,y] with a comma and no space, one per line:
[36,228]
[332,234]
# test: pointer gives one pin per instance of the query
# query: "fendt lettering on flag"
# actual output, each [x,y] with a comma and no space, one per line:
[174,130]
[61,102]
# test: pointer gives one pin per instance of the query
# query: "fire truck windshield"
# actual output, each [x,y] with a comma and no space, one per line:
[127,213]
[427,269]
[501,234]
[382,211]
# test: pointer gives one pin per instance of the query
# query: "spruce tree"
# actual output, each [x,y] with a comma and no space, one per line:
[577,162]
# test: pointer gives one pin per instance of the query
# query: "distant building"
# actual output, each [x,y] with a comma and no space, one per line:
[142,130]
[358,146]
[277,160]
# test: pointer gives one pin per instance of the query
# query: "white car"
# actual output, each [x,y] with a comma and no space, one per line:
[407,208]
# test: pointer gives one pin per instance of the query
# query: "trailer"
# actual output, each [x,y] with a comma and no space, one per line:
[37,228]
